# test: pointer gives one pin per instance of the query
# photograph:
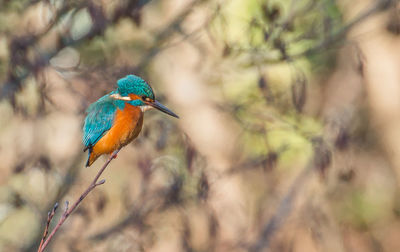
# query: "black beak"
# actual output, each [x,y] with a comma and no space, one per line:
[162,108]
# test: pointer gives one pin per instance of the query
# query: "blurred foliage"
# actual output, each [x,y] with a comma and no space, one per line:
[271,67]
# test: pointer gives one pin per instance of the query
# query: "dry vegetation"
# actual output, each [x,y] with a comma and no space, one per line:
[288,138]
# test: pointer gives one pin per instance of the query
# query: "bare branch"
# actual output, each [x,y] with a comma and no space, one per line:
[68,211]
[50,216]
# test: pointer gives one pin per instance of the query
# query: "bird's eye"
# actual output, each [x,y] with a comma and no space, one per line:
[144,98]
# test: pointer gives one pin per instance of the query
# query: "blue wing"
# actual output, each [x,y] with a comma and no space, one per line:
[99,119]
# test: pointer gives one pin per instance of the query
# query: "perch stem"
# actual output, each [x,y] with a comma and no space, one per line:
[44,242]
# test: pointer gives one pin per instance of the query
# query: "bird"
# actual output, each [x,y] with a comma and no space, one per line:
[116,119]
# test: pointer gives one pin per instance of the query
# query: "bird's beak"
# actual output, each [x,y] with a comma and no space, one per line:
[162,108]
[119,97]
[154,104]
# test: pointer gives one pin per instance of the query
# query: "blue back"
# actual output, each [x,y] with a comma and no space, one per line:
[99,119]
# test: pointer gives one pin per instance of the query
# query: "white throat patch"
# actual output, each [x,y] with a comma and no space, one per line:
[145,107]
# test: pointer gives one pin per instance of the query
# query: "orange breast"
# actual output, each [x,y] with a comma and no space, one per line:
[127,125]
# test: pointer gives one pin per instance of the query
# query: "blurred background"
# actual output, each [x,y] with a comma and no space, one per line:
[289,137]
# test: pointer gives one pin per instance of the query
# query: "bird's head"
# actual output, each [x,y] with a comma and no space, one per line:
[135,91]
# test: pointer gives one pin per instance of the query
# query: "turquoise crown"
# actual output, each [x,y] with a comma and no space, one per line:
[132,84]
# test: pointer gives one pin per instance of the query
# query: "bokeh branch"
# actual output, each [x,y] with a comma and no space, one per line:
[275,37]
[19,46]
[320,161]
[282,211]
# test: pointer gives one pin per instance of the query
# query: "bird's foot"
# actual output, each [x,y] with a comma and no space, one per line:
[114,154]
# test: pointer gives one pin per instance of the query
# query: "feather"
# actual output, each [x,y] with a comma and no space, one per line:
[99,119]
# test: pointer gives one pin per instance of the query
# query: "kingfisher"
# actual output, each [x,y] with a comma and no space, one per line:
[116,119]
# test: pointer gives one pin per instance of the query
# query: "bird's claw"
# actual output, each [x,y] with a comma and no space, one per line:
[114,154]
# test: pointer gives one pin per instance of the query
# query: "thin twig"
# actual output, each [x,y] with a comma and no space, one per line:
[50,216]
[68,211]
